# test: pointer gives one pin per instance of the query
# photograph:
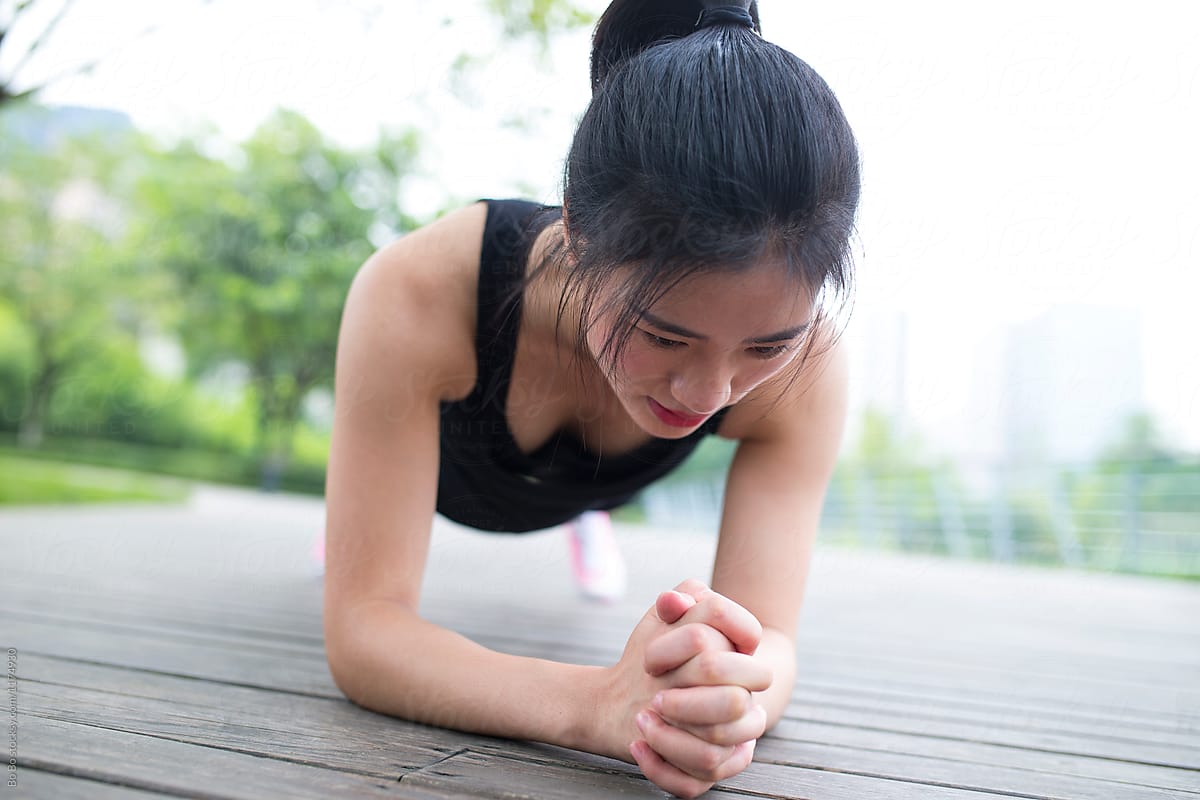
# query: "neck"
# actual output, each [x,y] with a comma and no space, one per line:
[559,342]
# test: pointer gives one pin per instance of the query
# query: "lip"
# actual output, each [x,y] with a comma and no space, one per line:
[671,417]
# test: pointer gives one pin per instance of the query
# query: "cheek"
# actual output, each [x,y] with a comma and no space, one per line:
[640,363]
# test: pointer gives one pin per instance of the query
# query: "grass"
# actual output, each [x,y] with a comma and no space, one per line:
[26,481]
[180,462]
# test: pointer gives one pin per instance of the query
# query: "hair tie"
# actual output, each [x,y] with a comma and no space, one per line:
[725,15]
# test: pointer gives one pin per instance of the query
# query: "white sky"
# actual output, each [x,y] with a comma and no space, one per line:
[1015,156]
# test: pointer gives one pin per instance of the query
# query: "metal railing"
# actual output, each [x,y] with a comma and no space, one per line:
[1134,518]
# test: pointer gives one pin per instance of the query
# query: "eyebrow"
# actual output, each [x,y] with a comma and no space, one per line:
[670,327]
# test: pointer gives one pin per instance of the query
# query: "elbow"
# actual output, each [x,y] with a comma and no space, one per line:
[363,668]
[344,671]
[342,657]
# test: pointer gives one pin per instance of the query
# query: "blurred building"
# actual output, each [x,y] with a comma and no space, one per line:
[879,355]
[1057,387]
[1072,376]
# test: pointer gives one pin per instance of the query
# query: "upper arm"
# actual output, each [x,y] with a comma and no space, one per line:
[775,491]
[396,357]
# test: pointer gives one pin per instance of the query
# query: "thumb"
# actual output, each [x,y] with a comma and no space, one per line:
[672,605]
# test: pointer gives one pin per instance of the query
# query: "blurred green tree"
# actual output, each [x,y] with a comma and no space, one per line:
[261,255]
[60,215]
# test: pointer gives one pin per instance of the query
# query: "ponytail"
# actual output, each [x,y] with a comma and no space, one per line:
[630,26]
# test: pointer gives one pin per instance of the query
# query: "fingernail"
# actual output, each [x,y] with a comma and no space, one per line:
[642,720]
[657,702]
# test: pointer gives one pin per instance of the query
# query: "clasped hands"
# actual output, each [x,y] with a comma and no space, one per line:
[688,715]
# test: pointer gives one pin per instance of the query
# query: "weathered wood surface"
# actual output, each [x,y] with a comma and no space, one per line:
[177,652]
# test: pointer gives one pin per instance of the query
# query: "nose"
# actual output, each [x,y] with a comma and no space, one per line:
[701,392]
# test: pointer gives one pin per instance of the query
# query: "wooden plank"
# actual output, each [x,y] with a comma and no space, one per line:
[1062,690]
[317,733]
[243,665]
[1127,668]
[1037,683]
[1161,748]
[993,717]
[916,767]
[493,776]
[553,648]
[1166,755]
[38,785]
[229,665]
[818,689]
[878,581]
[794,737]
[285,726]
[301,730]
[1128,711]
[471,774]
[1108,612]
[170,767]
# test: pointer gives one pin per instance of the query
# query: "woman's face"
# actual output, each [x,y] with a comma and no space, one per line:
[706,344]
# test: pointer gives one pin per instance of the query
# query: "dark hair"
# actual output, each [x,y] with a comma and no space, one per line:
[702,150]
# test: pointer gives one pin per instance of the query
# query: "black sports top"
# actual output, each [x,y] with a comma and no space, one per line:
[484,480]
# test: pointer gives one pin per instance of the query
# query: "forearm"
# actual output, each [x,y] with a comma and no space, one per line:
[779,652]
[390,660]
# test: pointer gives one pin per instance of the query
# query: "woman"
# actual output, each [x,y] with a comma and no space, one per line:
[513,366]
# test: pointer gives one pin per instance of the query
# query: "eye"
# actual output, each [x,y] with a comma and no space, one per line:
[770,352]
[658,341]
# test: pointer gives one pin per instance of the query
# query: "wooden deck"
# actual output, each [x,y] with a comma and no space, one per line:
[177,652]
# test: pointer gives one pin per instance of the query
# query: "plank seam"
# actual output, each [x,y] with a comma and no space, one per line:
[147,670]
[253,643]
[995,744]
[1014,767]
[237,750]
[424,767]
[109,779]
[1015,727]
[913,781]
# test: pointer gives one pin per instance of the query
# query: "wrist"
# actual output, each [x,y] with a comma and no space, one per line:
[583,725]
[596,715]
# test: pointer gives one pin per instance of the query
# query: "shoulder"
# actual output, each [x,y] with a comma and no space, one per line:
[414,299]
[434,259]
[802,402]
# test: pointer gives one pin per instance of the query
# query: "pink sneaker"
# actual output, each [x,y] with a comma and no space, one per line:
[316,554]
[596,562]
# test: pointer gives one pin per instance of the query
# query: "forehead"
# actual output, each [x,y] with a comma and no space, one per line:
[750,300]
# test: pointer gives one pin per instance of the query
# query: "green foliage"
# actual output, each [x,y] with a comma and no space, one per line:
[1139,441]
[203,465]
[539,19]
[114,396]
[709,461]
[16,365]
[61,274]
[25,481]
[261,256]
[246,262]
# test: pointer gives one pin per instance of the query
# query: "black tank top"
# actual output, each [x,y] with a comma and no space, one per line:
[484,480]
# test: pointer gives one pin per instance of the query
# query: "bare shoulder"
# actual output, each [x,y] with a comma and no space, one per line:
[813,393]
[437,254]
[415,299]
